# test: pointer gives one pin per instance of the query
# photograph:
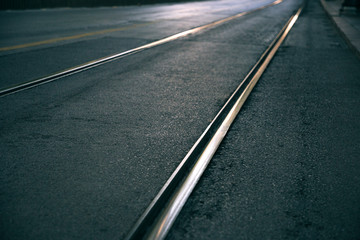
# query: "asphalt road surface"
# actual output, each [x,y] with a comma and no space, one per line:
[83,156]
[71,37]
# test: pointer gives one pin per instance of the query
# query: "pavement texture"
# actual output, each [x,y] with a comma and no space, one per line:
[82,157]
[346,21]
[138,25]
[289,167]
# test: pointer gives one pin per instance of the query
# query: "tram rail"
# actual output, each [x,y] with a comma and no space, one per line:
[162,212]
[160,215]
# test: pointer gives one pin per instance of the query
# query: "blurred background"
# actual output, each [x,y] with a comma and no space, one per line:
[26,4]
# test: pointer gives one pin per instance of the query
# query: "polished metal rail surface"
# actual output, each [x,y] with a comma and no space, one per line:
[113,57]
[158,218]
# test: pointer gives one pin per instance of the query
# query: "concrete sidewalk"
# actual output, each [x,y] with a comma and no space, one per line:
[348,22]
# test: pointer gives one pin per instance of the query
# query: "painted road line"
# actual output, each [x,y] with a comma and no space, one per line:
[54,40]
[88,65]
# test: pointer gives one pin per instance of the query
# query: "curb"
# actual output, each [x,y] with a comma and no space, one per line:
[348,32]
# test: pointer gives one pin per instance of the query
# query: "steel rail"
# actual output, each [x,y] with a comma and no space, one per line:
[158,218]
[95,63]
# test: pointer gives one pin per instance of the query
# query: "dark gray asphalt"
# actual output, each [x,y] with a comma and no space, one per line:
[289,168]
[82,157]
[139,25]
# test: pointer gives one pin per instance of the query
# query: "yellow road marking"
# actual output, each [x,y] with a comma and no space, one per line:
[72,37]
[97,62]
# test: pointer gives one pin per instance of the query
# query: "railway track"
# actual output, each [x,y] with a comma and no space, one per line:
[158,218]
[160,215]
[234,129]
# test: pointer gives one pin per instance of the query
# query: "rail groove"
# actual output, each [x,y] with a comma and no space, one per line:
[95,63]
[158,218]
